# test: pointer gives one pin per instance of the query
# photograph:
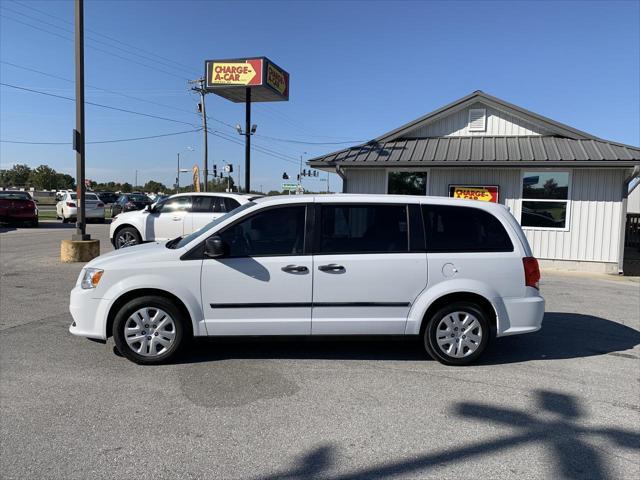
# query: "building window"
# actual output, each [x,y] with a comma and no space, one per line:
[407,183]
[545,199]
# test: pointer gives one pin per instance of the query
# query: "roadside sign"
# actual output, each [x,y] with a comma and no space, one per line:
[484,193]
[230,79]
[290,187]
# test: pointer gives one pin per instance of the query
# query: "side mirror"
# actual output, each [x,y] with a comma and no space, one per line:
[214,247]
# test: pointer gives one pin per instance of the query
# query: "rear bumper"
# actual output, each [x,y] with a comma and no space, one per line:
[521,315]
[18,216]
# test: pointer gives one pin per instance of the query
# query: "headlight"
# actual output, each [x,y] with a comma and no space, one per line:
[91,278]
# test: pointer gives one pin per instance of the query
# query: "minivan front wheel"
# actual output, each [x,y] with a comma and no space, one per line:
[457,334]
[149,330]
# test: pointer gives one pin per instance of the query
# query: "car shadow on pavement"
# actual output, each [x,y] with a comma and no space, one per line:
[558,423]
[6,228]
[563,336]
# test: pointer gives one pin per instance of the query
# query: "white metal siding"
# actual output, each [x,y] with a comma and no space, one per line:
[633,203]
[366,181]
[594,220]
[497,123]
[594,210]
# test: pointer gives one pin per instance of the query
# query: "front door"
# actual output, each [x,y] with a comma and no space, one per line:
[167,222]
[365,275]
[262,286]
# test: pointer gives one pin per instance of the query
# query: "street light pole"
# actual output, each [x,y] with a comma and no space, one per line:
[178,175]
[247,148]
[78,138]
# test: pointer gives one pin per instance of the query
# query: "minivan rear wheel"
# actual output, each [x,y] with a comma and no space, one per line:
[457,334]
[149,330]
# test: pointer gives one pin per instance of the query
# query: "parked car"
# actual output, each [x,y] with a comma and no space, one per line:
[17,206]
[108,197]
[172,217]
[447,271]
[67,208]
[128,202]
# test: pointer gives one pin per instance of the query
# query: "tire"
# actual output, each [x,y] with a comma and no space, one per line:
[453,320]
[33,223]
[157,345]
[126,237]
[64,220]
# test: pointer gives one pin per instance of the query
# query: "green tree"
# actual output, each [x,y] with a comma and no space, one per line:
[154,187]
[65,181]
[17,176]
[43,178]
[126,187]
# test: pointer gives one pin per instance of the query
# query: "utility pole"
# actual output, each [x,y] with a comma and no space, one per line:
[135,184]
[78,137]
[203,110]
[247,147]
[178,175]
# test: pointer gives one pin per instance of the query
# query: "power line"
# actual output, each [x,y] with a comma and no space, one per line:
[309,143]
[88,37]
[133,112]
[29,69]
[117,140]
[95,32]
[137,62]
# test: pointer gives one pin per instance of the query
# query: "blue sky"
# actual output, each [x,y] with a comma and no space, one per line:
[358,69]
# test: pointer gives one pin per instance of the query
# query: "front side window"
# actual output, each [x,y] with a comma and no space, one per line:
[176,204]
[463,229]
[545,199]
[407,183]
[276,231]
[363,229]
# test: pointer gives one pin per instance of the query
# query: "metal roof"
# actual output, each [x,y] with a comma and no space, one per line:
[496,150]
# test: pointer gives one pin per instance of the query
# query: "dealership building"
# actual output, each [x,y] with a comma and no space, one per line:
[567,188]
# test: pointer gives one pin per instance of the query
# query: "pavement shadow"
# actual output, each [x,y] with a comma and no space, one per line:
[563,336]
[7,228]
[558,423]
[303,348]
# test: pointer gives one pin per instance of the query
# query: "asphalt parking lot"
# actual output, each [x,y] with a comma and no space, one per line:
[560,403]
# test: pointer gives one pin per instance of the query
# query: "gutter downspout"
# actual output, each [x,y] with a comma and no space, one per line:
[623,216]
[342,175]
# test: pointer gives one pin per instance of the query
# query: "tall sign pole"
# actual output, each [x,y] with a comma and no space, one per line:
[206,133]
[247,147]
[78,137]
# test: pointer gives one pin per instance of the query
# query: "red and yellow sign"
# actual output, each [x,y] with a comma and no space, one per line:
[248,72]
[278,79]
[474,192]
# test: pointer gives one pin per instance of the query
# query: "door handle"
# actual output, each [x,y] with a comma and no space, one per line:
[176,219]
[332,268]
[295,269]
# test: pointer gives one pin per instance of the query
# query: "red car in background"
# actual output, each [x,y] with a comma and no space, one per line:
[18,207]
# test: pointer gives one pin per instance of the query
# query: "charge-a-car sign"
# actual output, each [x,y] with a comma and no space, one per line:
[248,72]
[484,193]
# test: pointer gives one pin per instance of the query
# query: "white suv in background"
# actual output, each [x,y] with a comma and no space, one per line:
[447,271]
[172,217]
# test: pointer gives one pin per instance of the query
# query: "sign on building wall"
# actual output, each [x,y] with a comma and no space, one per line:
[484,193]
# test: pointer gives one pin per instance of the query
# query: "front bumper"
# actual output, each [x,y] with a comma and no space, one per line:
[89,314]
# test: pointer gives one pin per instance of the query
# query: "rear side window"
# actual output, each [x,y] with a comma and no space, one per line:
[363,229]
[203,204]
[463,229]
[229,204]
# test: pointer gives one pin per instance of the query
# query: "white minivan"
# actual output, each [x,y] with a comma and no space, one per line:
[452,272]
[172,217]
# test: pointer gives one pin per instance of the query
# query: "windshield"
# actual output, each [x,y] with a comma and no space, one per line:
[189,238]
[137,198]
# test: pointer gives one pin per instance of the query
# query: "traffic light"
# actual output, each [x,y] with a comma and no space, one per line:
[285,176]
[215,171]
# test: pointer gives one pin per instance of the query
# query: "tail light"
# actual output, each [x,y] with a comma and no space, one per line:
[32,204]
[100,205]
[71,204]
[531,272]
